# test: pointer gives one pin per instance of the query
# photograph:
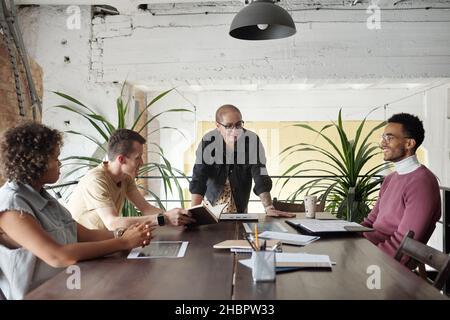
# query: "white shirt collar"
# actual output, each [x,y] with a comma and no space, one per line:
[407,165]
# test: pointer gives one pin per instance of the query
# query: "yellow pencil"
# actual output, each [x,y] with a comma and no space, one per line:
[256,236]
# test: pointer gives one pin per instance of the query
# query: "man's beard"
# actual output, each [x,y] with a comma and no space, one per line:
[399,156]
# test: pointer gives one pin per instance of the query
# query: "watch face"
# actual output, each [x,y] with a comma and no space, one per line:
[160,219]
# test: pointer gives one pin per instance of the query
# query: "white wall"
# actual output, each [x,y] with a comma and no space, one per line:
[437,132]
[44,29]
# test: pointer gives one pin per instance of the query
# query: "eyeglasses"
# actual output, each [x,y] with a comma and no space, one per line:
[387,137]
[238,125]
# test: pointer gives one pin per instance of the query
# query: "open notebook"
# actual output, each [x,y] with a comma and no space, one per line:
[205,213]
[314,226]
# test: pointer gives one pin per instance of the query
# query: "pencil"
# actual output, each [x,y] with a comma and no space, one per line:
[256,236]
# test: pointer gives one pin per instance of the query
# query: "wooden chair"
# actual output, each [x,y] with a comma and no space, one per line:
[424,255]
[297,207]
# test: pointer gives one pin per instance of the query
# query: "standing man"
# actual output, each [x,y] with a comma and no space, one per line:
[98,198]
[227,160]
[409,198]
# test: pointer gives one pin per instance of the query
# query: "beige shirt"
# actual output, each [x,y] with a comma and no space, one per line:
[97,190]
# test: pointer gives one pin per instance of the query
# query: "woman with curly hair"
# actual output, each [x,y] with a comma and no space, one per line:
[37,234]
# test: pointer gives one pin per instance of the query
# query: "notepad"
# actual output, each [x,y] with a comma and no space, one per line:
[289,238]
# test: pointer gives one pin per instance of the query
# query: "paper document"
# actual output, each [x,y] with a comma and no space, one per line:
[289,238]
[264,226]
[313,225]
[296,260]
[243,245]
[160,249]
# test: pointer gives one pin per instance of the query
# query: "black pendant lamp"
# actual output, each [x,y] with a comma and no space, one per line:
[262,20]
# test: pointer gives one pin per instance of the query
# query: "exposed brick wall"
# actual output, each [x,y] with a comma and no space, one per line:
[9,108]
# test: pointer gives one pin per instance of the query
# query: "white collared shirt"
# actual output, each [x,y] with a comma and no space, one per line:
[407,165]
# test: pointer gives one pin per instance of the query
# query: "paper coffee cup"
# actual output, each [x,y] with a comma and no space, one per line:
[310,206]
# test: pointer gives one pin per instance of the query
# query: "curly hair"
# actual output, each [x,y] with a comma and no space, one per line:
[25,151]
[412,126]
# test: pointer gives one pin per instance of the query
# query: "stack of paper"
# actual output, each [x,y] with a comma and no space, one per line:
[288,238]
[243,245]
[264,226]
[298,260]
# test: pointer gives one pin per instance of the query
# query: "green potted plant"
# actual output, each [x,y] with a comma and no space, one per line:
[347,182]
[105,128]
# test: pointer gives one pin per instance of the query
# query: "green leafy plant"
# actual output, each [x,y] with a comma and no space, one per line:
[105,128]
[346,181]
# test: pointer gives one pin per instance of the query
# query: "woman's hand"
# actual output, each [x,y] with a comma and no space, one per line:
[137,235]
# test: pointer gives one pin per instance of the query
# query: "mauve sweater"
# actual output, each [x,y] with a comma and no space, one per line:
[406,202]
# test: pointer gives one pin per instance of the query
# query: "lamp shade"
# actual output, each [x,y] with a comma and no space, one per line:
[262,20]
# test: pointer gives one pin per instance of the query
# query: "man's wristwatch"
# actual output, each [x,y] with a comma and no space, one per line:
[161,219]
[119,232]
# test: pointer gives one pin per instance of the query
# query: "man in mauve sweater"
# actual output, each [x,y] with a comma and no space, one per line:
[409,198]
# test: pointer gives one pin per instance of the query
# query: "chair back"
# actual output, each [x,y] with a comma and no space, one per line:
[288,206]
[425,255]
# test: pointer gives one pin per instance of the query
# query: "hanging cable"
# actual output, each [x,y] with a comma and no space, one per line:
[16,46]
[12,56]
[16,35]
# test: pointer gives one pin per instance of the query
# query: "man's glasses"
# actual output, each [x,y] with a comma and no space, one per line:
[387,137]
[238,125]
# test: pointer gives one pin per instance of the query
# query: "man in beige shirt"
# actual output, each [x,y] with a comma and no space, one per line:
[98,198]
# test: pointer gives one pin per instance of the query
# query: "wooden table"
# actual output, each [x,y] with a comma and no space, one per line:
[205,273]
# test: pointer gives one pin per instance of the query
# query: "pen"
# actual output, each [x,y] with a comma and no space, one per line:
[250,242]
[252,239]
[277,246]
[263,245]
